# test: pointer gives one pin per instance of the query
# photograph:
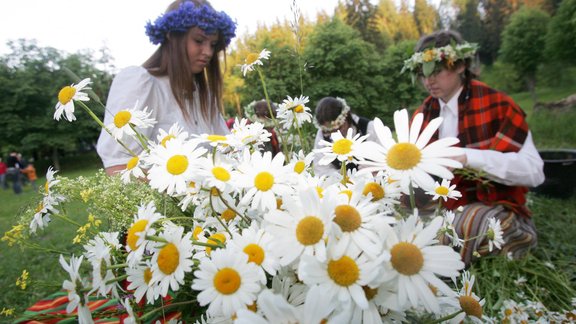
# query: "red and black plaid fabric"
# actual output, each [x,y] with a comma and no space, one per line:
[487,120]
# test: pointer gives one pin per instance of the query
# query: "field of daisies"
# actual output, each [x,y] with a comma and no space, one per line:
[208,228]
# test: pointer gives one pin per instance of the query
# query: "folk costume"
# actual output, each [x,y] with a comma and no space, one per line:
[495,137]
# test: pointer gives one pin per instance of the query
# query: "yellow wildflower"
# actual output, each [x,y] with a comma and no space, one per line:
[14,235]
[429,55]
[7,311]
[22,281]
[85,194]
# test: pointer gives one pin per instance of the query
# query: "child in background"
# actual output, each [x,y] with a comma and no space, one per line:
[30,173]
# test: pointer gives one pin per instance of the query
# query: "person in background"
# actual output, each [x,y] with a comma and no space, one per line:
[332,115]
[30,172]
[13,172]
[495,138]
[257,111]
[181,82]
[3,170]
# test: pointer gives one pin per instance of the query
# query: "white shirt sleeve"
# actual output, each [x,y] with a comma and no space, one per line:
[522,168]
[131,85]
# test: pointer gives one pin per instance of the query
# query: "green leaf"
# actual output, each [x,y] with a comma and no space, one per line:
[428,68]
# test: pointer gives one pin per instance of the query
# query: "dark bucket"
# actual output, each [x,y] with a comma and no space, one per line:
[560,172]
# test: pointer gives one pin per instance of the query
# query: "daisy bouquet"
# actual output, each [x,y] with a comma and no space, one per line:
[208,228]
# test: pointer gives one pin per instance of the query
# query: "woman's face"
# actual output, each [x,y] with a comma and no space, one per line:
[200,48]
[443,84]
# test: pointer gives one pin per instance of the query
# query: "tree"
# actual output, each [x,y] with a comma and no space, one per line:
[561,38]
[426,17]
[31,79]
[362,16]
[344,65]
[496,13]
[523,42]
[407,28]
[469,23]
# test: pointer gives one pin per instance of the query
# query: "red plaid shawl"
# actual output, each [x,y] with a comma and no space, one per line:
[487,120]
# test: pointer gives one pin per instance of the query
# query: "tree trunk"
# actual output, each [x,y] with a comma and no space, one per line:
[532,88]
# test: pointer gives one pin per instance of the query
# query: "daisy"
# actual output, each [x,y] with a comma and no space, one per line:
[448,229]
[357,217]
[133,169]
[412,261]
[173,166]
[42,216]
[410,158]
[226,281]
[300,163]
[75,287]
[131,318]
[255,242]
[66,98]
[379,188]
[214,140]
[175,132]
[293,112]
[126,120]
[272,308]
[99,253]
[342,148]
[466,301]
[248,135]
[217,172]
[136,242]
[140,278]
[171,260]
[494,234]
[342,276]
[444,191]
[265,177]
[254,59]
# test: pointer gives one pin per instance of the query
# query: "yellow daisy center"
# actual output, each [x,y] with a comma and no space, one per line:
[132,163]
[132,238]
[228,215]
[299,109]
[216,238]
[342,146]
[147,275]
[376,190]
[251,58]
[177,164]
[47,187]
[403,156]
[264,181]
[299,167]
[216,138]
[39,207]
[168,258]
[428,55]
[309,230]
[122,118]
[227,281]
[348,218]
[197,230]
[221,174]
[255,253]
[320,191]
[406,258]
[166,139]
[344,271]
[66,94]
[369,292]
[470,306]
[442,191]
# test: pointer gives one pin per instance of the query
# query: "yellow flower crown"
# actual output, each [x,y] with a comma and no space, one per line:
[425,62]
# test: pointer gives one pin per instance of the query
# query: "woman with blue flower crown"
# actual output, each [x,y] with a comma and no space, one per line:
[180,83]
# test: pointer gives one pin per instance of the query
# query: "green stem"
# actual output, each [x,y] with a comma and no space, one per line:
[412,196]
[150,313]
[140,138]
[343,171]
[233,209]
[276,124]
[445,318]
[218,217]
[117,279]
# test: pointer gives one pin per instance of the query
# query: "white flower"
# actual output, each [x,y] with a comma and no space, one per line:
[255,243]
[244,135]
[342,276]
[217,172]
[468,302]
[171,260]
[347,148]
[444,191]
[254,59]
[304,227]
[136,242]
[66,98]
[43,211]
[173,166]
[494,234]
[301,162]
[411,159]
[293,112]
[175,132]
[414,262]
[226,281]
[265,177]
[449,230]
[131,319]
[126,120]
[140,278]
[76,297]
[99,254]
[133,169]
